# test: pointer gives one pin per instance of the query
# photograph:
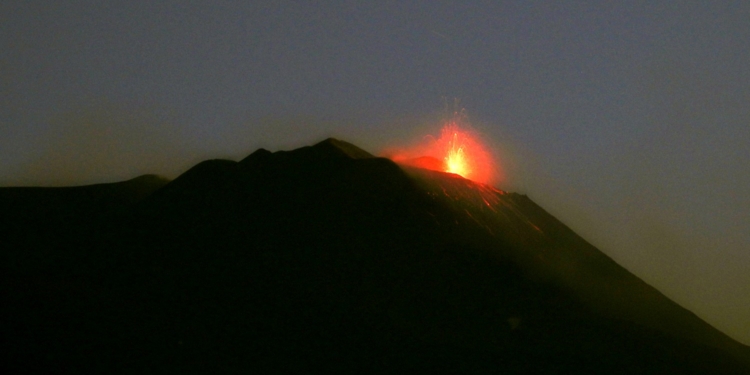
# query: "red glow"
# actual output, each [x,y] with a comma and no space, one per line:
[458,150]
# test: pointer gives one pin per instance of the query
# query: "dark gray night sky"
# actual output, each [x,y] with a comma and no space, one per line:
[629,121]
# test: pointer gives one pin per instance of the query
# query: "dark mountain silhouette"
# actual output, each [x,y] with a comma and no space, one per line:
[325,259]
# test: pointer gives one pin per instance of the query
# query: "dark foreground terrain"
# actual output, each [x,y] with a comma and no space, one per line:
[324,260]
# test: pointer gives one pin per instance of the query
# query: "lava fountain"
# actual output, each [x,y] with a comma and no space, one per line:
[458,150]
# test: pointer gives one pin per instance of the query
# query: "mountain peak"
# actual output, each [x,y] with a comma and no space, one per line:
[333,257]
[346,148]
[328,148]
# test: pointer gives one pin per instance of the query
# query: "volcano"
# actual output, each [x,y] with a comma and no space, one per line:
[325,259]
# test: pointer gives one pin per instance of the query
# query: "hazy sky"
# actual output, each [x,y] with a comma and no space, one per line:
[629,121]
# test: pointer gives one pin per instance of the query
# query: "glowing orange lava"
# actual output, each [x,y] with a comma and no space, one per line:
[458,150]
[455,161]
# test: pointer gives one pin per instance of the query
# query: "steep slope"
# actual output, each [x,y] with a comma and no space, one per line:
[548,250]
[326,259]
